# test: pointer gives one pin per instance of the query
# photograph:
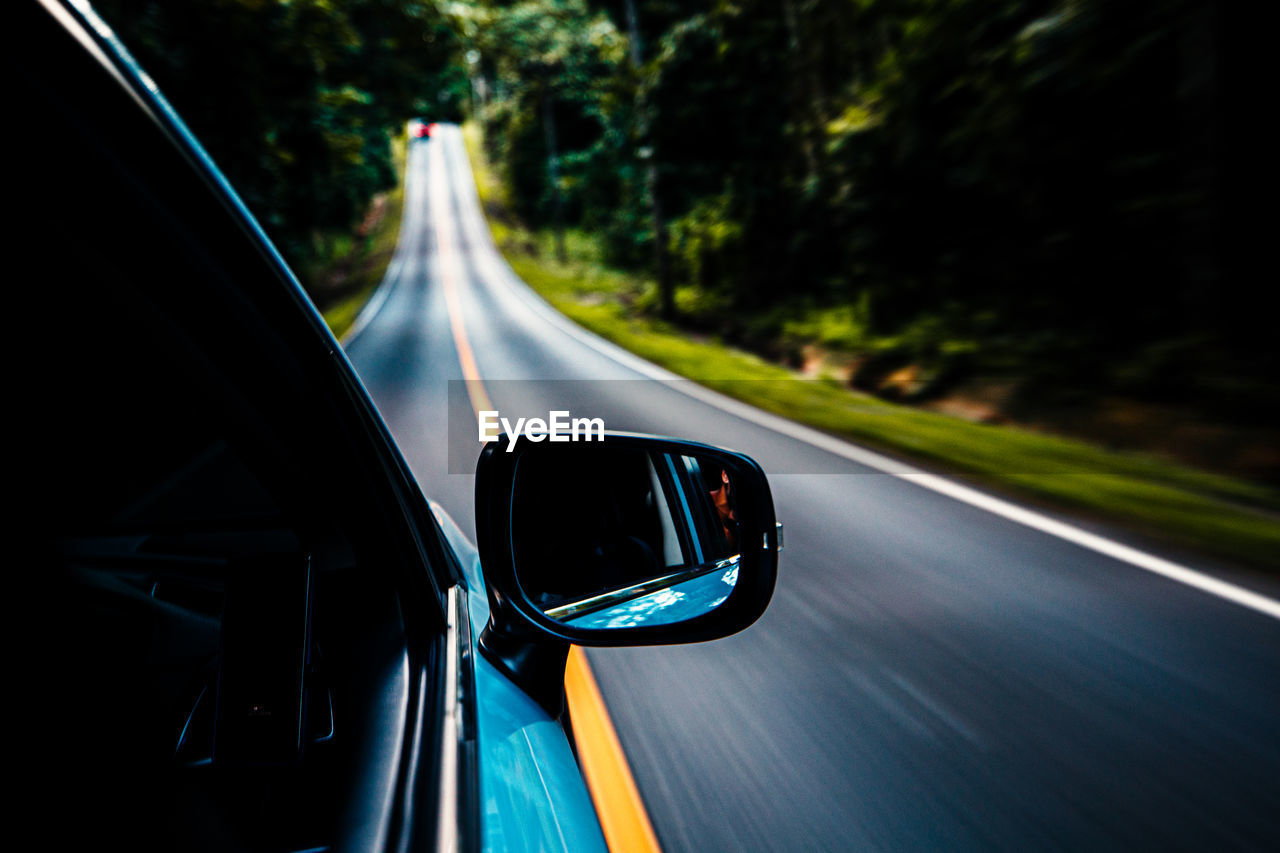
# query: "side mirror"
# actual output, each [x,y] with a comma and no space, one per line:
[633,540]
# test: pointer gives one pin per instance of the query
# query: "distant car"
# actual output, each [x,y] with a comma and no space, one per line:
[421,128]
[243,626]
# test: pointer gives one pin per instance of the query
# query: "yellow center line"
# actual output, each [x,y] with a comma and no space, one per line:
[622,814]
[445,257]
[604,765]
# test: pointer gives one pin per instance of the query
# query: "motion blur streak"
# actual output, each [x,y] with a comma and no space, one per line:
[929,675]
[1132,556]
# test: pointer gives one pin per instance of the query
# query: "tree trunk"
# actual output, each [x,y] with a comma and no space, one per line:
[809,104]
[662,265]
[661,262]
[553,174]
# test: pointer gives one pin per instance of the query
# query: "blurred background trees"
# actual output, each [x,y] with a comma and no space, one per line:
[296,100]
[967,186]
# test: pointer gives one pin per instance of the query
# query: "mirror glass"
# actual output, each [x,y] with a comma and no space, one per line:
[609,537]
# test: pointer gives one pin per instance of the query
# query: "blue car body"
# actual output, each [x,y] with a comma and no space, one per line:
[532,794]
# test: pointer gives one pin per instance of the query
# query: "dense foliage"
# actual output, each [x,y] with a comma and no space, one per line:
[1030,182]
[295,99]
[1035,185]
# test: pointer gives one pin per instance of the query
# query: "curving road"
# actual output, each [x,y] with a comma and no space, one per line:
[931,673]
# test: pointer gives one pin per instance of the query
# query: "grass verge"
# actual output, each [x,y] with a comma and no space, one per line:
[370,256]
[1223,516]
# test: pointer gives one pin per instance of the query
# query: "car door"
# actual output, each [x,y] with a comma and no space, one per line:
[238,595]
[221,510]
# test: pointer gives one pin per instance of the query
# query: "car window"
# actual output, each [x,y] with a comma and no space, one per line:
[179,499]
[197,482]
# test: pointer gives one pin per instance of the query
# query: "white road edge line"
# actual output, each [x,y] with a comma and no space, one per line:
[392,274]
[965,494]
[374,305]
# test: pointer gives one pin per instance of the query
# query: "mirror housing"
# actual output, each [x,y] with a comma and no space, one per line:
[526,639]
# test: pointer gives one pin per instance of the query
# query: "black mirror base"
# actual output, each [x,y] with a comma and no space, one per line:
[535,665]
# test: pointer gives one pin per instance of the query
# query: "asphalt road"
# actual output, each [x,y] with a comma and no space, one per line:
[929,674]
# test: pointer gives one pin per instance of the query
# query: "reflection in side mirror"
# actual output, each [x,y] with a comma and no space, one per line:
[625,537]
[632,540]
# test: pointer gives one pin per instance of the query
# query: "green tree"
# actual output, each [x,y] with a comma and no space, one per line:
[295,99]
[554,121]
